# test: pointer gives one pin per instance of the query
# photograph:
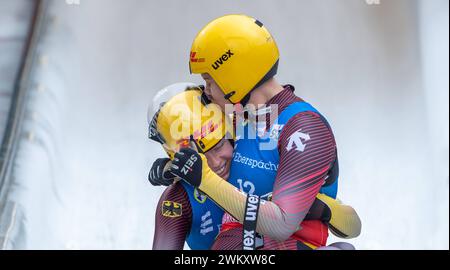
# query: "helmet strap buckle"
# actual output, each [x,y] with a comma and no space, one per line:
[229,95]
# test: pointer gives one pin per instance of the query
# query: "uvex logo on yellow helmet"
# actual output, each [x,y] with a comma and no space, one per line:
[227,55]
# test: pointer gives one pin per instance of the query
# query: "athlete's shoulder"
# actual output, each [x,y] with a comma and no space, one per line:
[305,128]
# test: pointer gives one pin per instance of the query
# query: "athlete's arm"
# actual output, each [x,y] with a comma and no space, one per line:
[299,178]
[172,225]
[303,167]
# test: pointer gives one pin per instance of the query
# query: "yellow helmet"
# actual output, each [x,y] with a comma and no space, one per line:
[187,118]
[238,52]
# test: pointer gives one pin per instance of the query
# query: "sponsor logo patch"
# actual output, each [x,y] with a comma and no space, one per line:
[251,214]
[199,196]
[196,59]
[296,141]
[171,209]
[219,62]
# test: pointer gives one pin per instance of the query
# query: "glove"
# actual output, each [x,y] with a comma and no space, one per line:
[188,164]
[158,176]
[344,220]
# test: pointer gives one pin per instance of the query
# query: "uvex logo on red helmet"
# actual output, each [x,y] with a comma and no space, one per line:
[219,62]
[193,59]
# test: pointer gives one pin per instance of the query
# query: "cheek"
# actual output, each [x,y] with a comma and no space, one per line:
[216,92]
[210,159]
[227,151]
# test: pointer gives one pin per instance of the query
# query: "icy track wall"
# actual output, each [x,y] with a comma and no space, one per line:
[17,21]
[81,169]
[38,163]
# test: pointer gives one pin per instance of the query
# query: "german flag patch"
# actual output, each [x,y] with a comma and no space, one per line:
[171,209]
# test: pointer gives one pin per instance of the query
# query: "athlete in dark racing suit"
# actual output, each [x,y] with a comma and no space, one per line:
[298,179]
[183,213]
[270,191]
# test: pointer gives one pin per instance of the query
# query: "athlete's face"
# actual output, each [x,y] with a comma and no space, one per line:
[219,158]
[213,91]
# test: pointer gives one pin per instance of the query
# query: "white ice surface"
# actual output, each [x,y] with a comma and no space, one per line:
[82,166]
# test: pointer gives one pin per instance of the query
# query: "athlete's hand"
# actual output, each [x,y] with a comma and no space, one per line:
[159,175]
[189,165]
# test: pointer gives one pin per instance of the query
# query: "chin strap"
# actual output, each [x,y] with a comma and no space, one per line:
[243,102]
